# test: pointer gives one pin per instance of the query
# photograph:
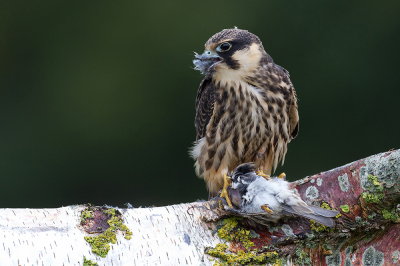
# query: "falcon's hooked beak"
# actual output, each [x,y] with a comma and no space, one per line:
[207,61]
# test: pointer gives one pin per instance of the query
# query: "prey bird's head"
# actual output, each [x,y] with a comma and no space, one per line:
[231,52]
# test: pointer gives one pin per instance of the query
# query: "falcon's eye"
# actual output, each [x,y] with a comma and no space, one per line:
[223,47]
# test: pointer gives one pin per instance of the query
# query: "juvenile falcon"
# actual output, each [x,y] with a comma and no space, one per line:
[246,109]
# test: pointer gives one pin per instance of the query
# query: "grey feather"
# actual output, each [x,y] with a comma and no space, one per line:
[327,221]
[300,208]
[323,212]
[320,219]
[250,192]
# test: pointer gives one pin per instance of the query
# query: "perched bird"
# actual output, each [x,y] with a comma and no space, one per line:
[263,200]
[246,109]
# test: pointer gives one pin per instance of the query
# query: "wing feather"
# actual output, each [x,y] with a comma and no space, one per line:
[293,113]
[204,106]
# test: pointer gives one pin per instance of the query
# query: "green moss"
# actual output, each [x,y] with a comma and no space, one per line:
[101,243]
[345,208]
[88,262]
[241,257]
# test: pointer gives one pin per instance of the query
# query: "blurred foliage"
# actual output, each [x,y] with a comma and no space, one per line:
[97,97]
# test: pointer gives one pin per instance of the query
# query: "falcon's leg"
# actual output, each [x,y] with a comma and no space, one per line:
[283,175]
[261,173]
[224,193]
[260,157]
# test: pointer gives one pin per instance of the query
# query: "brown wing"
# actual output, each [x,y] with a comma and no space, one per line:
[204,106]
[294,116]
[293,113]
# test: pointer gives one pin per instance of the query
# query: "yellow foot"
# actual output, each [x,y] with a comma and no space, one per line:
[224,193]
[261,173]
[265,208]
[283,175]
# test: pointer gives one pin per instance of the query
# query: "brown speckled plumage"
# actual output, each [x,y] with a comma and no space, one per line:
[246,109]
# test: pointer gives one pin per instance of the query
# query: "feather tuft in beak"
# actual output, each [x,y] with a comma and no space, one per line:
[206,62]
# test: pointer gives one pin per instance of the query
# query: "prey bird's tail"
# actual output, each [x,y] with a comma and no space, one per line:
[323,212]
[319,219]
[320,215]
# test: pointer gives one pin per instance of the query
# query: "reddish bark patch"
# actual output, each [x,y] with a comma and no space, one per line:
[97,223]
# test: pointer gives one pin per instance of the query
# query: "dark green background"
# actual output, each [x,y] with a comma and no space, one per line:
[97,97]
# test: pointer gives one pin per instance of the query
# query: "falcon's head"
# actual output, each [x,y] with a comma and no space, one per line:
[231,53]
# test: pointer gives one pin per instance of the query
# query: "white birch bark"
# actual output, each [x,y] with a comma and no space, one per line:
[171,235]
[177,234]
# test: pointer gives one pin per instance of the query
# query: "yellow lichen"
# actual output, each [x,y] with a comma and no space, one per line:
[86,215]
[100,244]
[345,208]
[88,262]
[390,215]
[374,180]
[372,197]
[302,258]
[325,206]
[241,257]
[231,232]
[376,195]
[320,227]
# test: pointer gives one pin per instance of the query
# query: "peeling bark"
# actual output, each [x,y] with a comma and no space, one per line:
[366,192]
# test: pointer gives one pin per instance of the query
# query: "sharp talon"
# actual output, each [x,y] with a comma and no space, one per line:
[224,193]
[283,175]
[261,173]
[265,208]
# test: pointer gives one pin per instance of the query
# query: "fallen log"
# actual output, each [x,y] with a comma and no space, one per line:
[367,232]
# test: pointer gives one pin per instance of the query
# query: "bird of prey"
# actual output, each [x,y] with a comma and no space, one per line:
[246,109]
[268,200]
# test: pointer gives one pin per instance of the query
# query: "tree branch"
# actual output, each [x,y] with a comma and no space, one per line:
[366,192]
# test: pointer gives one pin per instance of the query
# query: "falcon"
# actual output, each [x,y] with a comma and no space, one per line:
[246,109]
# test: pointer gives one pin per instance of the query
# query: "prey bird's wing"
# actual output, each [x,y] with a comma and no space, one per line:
[204,106]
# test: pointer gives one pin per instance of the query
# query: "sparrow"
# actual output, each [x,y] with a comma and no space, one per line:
[269,200]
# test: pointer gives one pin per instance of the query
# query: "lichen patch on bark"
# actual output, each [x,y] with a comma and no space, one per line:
[105,222]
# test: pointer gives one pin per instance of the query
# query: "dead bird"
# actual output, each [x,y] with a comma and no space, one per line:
[265,200]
